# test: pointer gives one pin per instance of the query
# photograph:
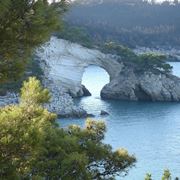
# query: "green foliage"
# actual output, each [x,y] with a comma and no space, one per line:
[24,25]
[75,34]
[154,61]
[32,146]
[125,53]
[22,130]
[129,22]
[166,175]
[148,177]
[147,61]
[33,69]
[143,62]
[32,93]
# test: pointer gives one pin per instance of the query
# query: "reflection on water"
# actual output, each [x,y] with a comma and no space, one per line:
[149,130]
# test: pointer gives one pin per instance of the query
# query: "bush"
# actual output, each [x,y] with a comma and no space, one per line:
[125,53]
[143,62]
[166,176]
[151,61]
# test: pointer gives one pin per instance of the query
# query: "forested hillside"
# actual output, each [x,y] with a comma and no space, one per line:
[132,22]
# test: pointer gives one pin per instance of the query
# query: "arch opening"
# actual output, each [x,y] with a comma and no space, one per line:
[94,79]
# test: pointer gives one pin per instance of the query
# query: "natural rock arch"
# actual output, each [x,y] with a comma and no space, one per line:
[94,79]
[64,64]
[67,62]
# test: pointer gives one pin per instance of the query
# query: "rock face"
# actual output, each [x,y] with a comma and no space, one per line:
[62,103]
[64,64]
[85,91]
[147,86]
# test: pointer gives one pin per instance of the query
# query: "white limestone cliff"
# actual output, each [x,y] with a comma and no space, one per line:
[64,63]
[67,61]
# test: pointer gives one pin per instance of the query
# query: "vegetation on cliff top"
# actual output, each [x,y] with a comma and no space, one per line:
[143,62]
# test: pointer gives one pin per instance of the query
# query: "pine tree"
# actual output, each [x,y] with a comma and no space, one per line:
[166,175]
[148,177]
[24,25]
[32,146]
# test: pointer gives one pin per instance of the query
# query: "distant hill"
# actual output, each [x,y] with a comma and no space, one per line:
[129,22]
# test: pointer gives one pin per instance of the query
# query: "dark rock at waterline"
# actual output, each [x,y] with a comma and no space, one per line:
[90,115]
[76,114]
[85,91]
[72,116]
[104,113]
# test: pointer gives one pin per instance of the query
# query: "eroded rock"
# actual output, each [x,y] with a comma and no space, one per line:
[64,64]
[85,91]
[147,86]
[104,113]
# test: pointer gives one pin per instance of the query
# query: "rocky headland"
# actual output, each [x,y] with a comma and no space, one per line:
[64,63]
[67,61]
[144,86]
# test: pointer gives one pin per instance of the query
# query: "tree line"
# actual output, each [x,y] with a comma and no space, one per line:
[132,23]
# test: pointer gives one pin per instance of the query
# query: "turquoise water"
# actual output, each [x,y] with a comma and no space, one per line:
[149,130]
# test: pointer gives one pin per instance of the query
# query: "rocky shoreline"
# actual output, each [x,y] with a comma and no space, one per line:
[61,103]
[63,64]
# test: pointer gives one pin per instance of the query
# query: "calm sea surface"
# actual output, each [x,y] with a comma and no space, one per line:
[149,130]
